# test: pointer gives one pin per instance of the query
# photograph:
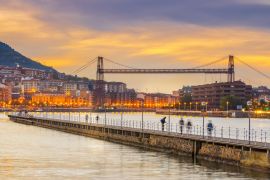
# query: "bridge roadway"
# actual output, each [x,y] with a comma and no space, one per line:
[170,71]
[207,139]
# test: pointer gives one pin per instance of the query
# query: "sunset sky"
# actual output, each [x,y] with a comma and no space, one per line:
[66,34]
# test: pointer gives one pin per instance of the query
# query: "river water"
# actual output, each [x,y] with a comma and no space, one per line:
[29,152]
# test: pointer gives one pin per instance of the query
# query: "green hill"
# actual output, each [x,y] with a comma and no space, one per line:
[10,57]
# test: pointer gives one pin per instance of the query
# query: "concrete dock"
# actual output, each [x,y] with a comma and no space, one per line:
[235,152]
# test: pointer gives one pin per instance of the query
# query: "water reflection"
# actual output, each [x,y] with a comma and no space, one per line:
[28,152]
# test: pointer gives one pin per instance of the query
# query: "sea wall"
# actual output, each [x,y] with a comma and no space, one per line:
[234,154]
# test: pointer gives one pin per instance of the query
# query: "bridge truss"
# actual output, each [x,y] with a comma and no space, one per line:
[229,70]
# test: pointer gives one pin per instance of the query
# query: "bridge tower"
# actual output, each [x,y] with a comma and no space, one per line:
[99,89]
[231,72]
[100,75]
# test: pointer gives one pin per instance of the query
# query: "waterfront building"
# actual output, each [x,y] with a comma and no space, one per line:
[128,98]
[61,100]
[176,93]
[50,85]
[69,87]
[156,100]
[115,87]
[9,71]
[5,94]
[212,94]
[260,91]
[30,85]
[36,73]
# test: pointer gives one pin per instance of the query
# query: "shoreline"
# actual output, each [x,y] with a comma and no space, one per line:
[223,114]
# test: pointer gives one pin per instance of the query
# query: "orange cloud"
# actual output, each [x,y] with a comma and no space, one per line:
[158,44]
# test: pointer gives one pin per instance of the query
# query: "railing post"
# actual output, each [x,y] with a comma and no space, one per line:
[229,133]
[265,138]
[261,135]
[255,137]
[222,132]
[244,133]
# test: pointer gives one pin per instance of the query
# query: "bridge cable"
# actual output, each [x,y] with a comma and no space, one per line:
[253,68]
[114,62]
[210,63]
[84,66]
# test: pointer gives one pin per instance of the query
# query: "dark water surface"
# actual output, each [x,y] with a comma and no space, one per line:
[28,152]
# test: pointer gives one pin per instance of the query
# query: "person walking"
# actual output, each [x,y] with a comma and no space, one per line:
[97,118]
[189,127]
[181,124]
[163,121]
[210,128]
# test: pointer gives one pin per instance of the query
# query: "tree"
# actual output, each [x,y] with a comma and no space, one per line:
[187,98]
[232,101]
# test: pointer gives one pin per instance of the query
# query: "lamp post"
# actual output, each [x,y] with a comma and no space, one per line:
[142,106]
[227,108]
[249,128]
[169,129]
[249,125]
[105,114]
[196,106]
[190,106]
[203,111]
[121,116]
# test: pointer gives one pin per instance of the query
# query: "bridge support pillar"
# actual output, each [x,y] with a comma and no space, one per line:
[231,73]
[99,90]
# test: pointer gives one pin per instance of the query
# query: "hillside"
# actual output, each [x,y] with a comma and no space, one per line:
[10,57]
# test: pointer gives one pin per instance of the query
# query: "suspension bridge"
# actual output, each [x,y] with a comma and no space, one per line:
[126,69]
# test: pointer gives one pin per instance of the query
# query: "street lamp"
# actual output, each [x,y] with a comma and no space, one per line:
[121,116]
[142,106]
[203,111]
[249,125]
[169,129]
[227,108]
[196,106]
[105,114]
[190,106]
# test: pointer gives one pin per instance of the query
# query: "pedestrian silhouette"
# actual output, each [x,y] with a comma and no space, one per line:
[210,128]
[97,118]
[181,124]
[189,127]
[163,121]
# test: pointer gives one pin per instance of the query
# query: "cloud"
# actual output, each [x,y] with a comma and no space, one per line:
[262,2]
[150,34]
[105,15]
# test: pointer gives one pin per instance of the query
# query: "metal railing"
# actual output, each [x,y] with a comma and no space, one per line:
[258,137]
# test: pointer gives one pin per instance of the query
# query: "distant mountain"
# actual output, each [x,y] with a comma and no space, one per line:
[10,57]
